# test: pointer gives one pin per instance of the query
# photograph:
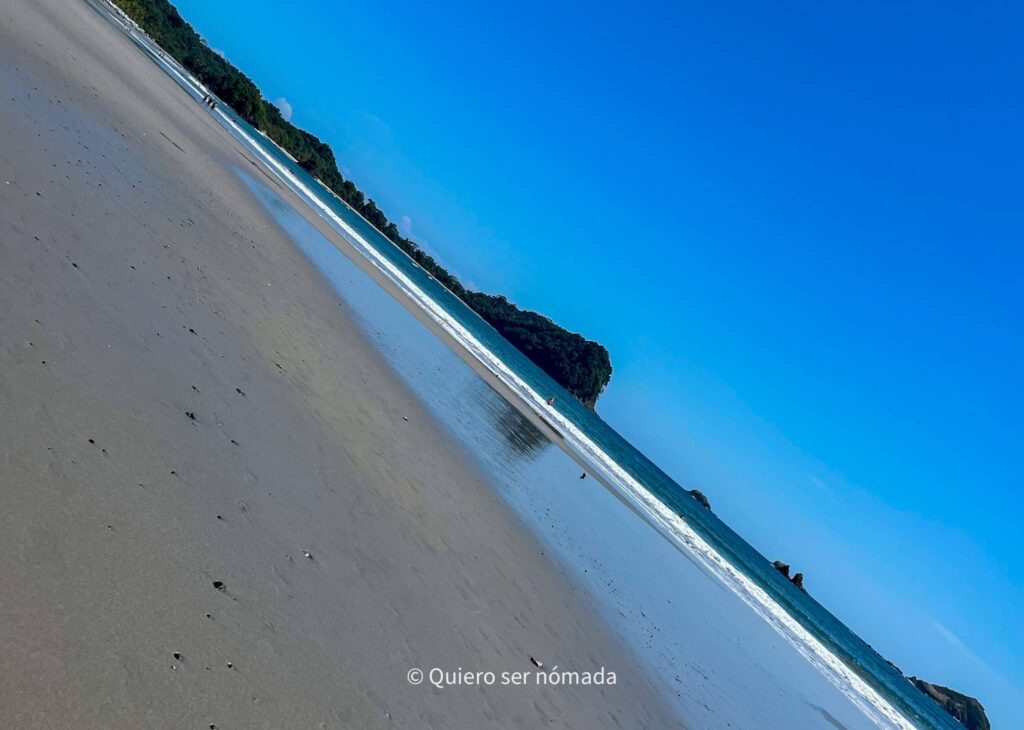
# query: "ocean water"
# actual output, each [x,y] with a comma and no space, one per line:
[721,632]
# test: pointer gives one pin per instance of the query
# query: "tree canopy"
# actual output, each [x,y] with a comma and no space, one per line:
[581,366]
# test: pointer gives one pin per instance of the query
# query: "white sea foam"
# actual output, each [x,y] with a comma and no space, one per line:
[645,503]
[657,514]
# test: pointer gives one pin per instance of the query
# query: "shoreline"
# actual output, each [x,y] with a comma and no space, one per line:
[599,465]
[187,402]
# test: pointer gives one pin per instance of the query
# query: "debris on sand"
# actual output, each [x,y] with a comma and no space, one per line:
[219,585]
[191,415]
[539,665]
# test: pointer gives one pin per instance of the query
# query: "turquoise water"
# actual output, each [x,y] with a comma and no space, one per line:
[850,648]
[495,433]
[516,454]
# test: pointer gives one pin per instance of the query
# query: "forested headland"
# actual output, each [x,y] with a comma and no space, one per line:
[581,366]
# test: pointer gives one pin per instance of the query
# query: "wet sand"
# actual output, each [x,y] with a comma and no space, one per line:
[184,401]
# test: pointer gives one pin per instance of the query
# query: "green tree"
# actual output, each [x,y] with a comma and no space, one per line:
[581,366]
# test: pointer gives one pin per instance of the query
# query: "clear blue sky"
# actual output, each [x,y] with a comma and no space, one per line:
[798,228]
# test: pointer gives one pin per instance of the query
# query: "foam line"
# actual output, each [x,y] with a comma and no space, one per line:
[656,513]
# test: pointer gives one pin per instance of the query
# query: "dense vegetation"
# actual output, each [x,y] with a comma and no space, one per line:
[581,366]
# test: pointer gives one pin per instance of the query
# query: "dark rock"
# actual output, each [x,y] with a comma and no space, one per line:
[219,585]
[699,496]
[966,709]
[798,581]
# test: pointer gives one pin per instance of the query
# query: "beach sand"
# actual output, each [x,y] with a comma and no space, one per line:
[183,400]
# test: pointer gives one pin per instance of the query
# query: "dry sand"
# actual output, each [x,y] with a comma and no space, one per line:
[183,400]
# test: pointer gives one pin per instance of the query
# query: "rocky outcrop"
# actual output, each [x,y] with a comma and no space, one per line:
[890,663]
[966,709]
[797,580]
[699,496]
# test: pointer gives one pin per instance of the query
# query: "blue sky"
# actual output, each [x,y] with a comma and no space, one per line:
[798,228]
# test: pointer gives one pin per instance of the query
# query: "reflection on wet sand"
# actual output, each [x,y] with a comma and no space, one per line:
[520,434]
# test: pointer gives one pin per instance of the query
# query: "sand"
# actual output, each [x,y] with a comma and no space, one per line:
[183,400]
